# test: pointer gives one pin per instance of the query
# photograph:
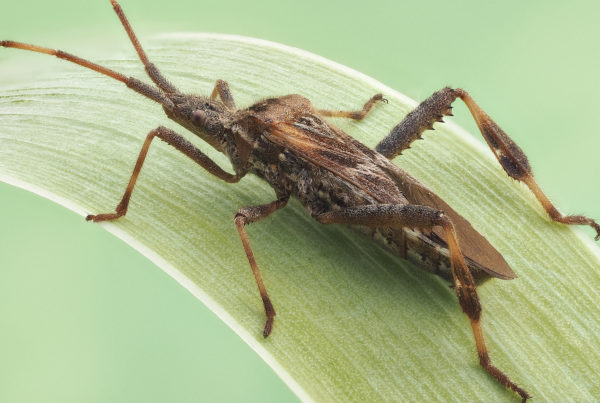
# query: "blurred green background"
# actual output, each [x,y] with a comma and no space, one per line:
[85,318]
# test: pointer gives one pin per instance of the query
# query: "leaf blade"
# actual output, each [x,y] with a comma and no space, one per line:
[355,309]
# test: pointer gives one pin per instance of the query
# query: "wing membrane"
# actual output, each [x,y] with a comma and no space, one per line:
[472,243]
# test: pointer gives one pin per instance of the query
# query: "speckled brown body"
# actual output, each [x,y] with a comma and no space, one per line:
[284,161]
[287,142]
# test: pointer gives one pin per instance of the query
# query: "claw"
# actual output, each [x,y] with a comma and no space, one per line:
[103,217]
[596,227]
[270,312]
[268,327]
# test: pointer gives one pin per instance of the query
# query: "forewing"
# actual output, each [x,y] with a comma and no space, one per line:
[329,147]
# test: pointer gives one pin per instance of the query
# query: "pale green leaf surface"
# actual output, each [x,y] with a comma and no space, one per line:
[354,323]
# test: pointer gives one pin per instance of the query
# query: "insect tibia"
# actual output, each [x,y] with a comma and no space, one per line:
[509,154]
[468,300]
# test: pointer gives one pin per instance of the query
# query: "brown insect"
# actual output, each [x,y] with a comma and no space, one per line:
[287,142]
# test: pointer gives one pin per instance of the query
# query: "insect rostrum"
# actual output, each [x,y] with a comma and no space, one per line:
[288,142]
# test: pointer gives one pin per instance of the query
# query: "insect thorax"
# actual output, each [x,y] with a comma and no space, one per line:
[318,189]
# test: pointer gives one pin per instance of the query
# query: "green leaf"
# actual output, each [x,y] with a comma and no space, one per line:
[354,323]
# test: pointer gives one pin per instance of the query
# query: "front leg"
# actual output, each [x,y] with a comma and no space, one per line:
[507,152]
[423,217]
[247,215]
[181,144]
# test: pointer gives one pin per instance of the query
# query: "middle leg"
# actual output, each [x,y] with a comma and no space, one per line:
[356,115]
[247,215]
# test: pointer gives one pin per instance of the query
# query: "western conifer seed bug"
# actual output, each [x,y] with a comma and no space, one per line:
[287,142]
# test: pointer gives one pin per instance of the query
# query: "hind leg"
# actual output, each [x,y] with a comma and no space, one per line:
[508,153]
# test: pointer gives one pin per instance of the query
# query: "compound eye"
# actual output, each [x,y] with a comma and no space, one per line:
[199,117]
